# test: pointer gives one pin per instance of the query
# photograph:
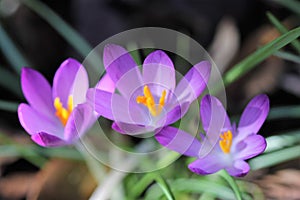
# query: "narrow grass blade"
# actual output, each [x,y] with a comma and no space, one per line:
[258,56]
[287,56]
[293,5]
[10,82]
[64,29]
[282,29]
[11,52]
[274,158]
[284,112]
[192,185]
[165,187]
[230,180]
[8,106]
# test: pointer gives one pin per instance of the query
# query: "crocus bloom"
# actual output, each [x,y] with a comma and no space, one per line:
[233,146]
[56,116]
[149,99]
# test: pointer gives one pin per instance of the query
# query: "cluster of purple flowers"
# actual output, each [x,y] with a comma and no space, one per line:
[141,101]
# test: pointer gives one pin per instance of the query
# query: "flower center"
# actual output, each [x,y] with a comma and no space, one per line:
[226,141]
[148,101]
[62,113]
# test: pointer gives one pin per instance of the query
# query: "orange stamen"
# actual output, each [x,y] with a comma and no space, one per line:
[148,101]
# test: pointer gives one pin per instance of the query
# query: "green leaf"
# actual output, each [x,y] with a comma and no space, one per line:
[8,106]
[282,29]
[274,158]
[64,29]
[258,56]
[193,185]
[165,187]
[232,184]
[293,5]
[141,185]
[11,52]
[10,82]
[281,141]
[287,56]
[284,112]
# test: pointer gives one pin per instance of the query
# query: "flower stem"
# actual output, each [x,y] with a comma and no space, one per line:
[164,186]
[232,184]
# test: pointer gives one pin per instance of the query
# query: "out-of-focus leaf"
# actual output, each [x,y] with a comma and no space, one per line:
[293,5]
[232,184]
[8,106]
[282,29]
[284,112]
[281,141]
[64,29]
[165,187]
[258,56]
[11,52]
[192,185]
[274,158]
[10,82]
[287,56]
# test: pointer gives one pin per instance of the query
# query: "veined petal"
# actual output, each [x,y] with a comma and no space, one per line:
[210,108]
[47,140]
[131,129]
[194,82]
[106,84]
[208,165]
[34,122]
[117,108]
[215,121]
[175,114]
[70,79]
[238,169]
[179,141]
[118,62]
[37,91]
[254,145]
[159,69]
[80,121]
[254,115]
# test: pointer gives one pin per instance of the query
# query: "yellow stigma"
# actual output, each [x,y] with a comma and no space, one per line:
[62,113]
[148,101]
[226,141]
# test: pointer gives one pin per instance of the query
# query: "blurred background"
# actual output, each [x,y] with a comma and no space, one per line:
[32,34]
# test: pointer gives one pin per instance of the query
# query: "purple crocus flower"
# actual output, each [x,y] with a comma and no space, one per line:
[234,145]
[57,116]
[149,99]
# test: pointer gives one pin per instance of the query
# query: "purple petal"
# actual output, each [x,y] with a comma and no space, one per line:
[37,91]
[254,115]
[239,168]
[194,82]
[210,108]
[158,68]
[106,84]
[118,62]
[34,122]
[253,145]
[131,129]
[207,165]
[80,121]
[175,114]
[115,127]
[70,79]
[215,121]
[117,108]
[47,140]
[179,141]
